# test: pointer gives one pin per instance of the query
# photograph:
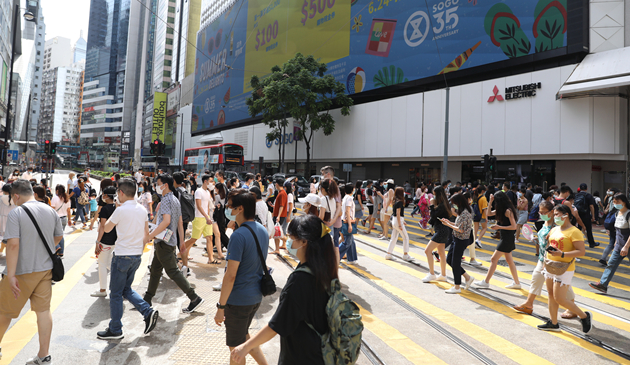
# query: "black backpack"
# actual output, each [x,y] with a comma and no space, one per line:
[187,202]
[580,203]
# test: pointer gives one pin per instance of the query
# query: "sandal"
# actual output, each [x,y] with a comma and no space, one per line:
[523,309]
[215,262]
[568,315]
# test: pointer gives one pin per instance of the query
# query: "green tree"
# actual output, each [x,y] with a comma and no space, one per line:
[299,90]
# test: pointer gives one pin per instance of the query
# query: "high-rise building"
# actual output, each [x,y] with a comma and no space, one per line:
[148,79]
[187,21]
[6,32]
[79,49]
[111,82]
[61,104]
[211,9]
[57,53]
[164,35]
[30,68]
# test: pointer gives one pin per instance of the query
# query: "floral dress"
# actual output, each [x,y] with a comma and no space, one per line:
[424,210]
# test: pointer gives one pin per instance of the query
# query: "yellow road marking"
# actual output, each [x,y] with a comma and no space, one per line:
[21,333]
[596,316]
[509,312]
[480,334]
[597,297]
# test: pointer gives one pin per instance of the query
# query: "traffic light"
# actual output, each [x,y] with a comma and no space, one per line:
[161,149]
[486,163]
[154,147]
[53,148]
[47,147]
[493,163]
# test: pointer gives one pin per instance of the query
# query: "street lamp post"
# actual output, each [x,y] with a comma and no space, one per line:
[28,16]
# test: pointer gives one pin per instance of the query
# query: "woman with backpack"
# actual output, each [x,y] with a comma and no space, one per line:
[301,317]
[462,230]
[506,223]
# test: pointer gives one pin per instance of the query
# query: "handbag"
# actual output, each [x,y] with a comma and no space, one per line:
[327,214]
[344,229]
[57,271]
[267,285]
[557,267]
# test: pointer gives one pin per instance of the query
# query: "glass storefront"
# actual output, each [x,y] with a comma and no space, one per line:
[540,173]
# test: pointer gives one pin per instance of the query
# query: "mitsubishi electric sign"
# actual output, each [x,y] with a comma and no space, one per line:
[515,92]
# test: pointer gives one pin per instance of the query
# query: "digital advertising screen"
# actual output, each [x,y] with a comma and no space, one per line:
[367,44]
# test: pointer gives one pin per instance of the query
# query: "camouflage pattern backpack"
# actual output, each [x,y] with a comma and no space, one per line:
[342,344]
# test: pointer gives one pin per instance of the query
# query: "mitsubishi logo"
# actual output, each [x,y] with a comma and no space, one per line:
[496,95]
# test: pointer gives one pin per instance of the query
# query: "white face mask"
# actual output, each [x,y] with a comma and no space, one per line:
[159,189]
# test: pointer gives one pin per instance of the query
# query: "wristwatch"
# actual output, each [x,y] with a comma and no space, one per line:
[219,306]
[562,255]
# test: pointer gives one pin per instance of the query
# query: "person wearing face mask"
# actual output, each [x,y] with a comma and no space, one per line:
[521,206]
[398,227]
[566,242]
[462,232]
[545,211]
[169,216]
[144,198]
[240,291]
[622,242]
[302,308]
[349,225]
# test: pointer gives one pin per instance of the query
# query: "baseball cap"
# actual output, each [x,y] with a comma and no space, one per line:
[583,186]
[390,181]
[312,199]
[110,190]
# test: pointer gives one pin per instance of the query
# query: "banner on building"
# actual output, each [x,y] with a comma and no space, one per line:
[159,116]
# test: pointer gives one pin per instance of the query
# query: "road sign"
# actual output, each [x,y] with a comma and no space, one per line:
[347,167]
[12,155]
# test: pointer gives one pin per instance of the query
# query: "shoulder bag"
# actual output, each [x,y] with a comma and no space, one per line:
[556,267]
[267,285]
[57,271]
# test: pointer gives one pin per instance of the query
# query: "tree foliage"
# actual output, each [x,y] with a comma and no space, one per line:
[299,90]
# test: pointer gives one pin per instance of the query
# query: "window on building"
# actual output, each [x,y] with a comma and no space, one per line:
[169,41]
[170,20]
[170,31]
[171,9]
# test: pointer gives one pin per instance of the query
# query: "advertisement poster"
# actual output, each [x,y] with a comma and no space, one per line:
[367,44]
[159,116]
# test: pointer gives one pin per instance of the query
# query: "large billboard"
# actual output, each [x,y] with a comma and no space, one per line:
[367,44]
[159,117]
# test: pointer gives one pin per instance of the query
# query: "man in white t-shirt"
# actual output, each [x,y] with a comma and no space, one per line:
[138,176]
[349,225]
[202,224]
[127,255]
[28,174]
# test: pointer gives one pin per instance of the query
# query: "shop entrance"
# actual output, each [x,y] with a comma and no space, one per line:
[423,175]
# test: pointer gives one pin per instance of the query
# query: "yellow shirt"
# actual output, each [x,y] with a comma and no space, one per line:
[563,241]
[483,204]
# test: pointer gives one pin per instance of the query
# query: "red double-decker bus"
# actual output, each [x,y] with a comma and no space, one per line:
[224,156]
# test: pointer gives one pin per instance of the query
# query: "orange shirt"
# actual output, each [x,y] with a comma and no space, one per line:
[281,201]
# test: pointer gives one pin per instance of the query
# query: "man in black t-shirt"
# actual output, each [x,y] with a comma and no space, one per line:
[105,241]
[586,211]
[369,196]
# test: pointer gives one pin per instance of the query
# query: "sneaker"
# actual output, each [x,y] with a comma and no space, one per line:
[217,287]
[481,284]
[453,290]
[407,257]
[549,327]
[40,360]
[194,304]
[186,271]
[389,257]
[384,238]
[474,262]
[441,278]
[436,255]
[586,322]
[513,286]
[428,234]
[478,244]
[353,262]
[599,286]
[469,283]
[150,321]
[429,278]
[99,293]
[108,335]
[603,262]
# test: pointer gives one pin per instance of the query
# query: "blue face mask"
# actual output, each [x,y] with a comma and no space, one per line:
[140,189]
[618,206]
[292,251]
[229,216]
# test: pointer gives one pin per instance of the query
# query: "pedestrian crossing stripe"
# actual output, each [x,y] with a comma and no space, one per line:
[606,299]
[499,344]
[541,298]
[502,309]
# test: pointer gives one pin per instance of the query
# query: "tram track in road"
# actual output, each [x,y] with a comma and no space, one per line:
[366,349]
[485,294]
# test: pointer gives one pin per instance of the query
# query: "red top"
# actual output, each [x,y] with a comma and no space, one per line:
[281,201]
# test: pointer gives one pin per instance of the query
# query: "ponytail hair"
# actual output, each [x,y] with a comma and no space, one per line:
[320,253]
